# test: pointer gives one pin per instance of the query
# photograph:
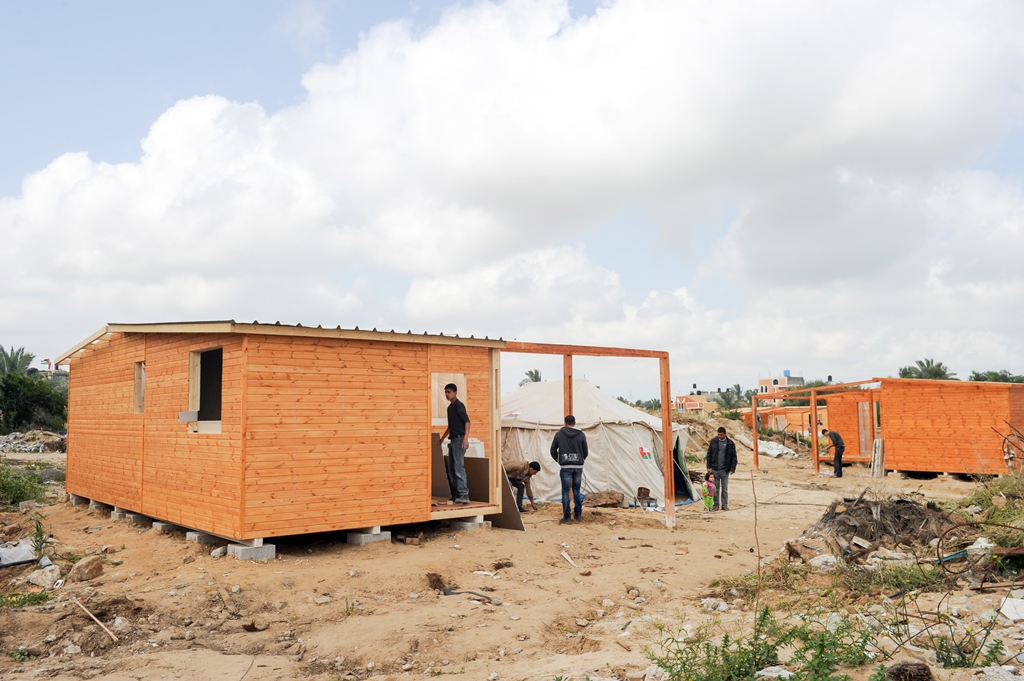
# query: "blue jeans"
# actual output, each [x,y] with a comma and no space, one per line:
[457,468]
[571,478]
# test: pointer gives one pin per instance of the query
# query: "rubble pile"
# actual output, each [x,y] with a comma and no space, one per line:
[33,441]
[886,522]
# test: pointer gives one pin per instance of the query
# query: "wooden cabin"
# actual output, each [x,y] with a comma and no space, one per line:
[947,426]
[249,431]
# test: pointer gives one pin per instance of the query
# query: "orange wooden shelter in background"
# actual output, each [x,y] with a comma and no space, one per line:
[924,425]
[248,431]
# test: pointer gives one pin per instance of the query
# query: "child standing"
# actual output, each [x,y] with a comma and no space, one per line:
[707,490]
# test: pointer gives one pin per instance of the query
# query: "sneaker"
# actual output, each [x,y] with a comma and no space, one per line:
[565,521]
[462,500]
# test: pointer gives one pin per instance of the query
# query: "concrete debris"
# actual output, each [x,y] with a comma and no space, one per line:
[44,578]
[824,562]
[773,673]
[34,441]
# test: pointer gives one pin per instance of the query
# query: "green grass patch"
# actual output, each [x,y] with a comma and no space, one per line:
[22,600]
[17,486]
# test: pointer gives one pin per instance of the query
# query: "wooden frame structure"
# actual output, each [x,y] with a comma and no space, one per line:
[800,393]
[925,425]
[316,429]
[667,439]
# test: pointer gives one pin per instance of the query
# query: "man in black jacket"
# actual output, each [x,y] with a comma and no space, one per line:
[836,441]
[721,461]
[569,450]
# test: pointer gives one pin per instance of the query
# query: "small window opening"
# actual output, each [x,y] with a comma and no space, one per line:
[211,372]
[139,393]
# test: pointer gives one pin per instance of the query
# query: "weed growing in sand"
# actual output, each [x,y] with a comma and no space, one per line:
[956,644]
[891,578]
[16,486]
[698,657]
[822,646]
[40,539]
[22,600]
[20,655]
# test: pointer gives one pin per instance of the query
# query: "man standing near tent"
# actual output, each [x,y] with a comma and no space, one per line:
[458,431]
[835,440]
[569,450]
[519,474]
[721,461]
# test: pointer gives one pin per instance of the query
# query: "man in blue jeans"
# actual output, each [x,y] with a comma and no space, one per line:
[569,450]
[458,431]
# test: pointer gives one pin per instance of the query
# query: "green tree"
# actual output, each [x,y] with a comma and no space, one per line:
[733,398]
[532,376]
[14,361]
[805,402]
[928,369]
[29,402]
[1003,376]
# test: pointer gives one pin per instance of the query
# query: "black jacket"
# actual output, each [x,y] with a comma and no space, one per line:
[730,455]
[569,448]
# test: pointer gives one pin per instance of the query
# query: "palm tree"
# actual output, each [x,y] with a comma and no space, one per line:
[732,398]
[532,376]
[14,361]
[928,369]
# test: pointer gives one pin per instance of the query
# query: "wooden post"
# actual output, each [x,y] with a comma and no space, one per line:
[814,432]
[753,423]
[667,443]
[566,384]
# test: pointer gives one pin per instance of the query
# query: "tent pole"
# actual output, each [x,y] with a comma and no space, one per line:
[567,384]
[667,443]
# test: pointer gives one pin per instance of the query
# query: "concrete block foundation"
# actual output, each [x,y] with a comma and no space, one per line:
[202,538]
[265,552]
[161,526]
[362,538]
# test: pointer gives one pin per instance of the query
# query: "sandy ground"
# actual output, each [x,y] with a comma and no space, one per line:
[324,609]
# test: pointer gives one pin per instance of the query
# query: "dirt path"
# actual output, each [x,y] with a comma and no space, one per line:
[324,609]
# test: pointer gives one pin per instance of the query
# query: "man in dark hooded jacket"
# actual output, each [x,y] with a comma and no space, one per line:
[721,461]
[569,450]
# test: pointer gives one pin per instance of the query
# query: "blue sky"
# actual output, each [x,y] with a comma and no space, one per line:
[832,189]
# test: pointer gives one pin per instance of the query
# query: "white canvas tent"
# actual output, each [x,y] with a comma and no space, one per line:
[624,442]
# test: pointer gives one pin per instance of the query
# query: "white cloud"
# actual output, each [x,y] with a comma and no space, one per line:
[457,162]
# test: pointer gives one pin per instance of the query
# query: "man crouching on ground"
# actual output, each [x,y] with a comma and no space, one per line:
[569,450]
[519,474]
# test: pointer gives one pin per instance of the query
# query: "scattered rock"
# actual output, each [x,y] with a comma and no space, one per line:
[714,604]
[322,600]
[236,589]
[26,506]
[72,650]
[88,568]
[825,562]
[773,673]
[580,622]
[608,603]
[505,563]
[188,559]
[219,552]
[656,673]
[45,578]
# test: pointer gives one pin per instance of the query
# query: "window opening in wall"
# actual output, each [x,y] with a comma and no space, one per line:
[439,403]
[205,374]
[139,394]
[211,372]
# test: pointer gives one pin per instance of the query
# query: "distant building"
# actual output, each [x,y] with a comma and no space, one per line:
[767,386]
[695,402]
